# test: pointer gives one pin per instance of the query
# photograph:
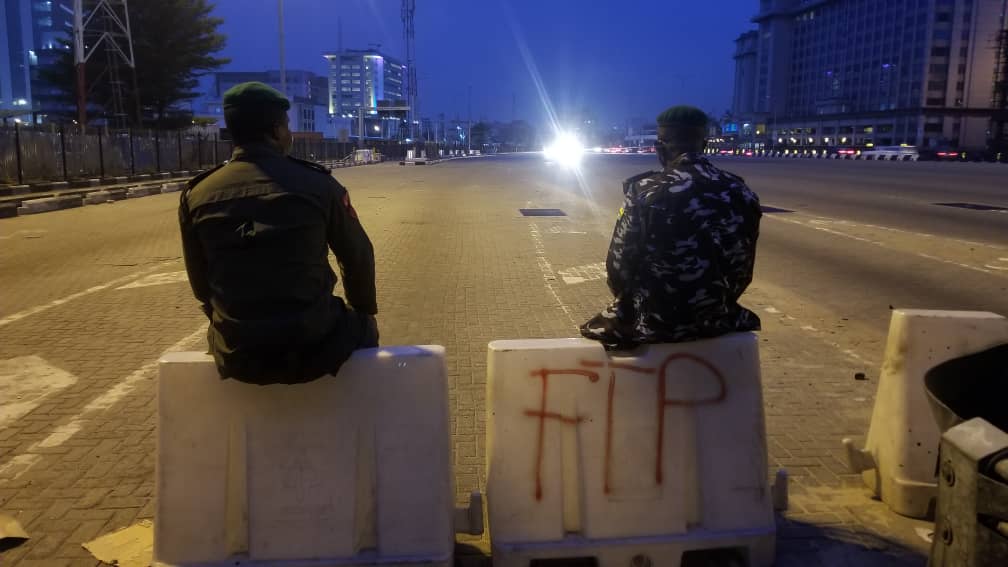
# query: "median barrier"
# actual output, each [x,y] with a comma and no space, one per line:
[142,191]
[104,196]
[46,204]
[9,190]
[352,469]
[172,187]
[634,458]
[78,183]
[898,462]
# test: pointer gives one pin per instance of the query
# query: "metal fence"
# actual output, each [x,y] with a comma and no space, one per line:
[30,155]
[37,154]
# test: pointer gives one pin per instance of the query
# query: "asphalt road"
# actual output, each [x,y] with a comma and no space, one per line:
[859,237]
[91,297]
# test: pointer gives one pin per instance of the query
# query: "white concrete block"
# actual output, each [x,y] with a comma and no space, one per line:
[901,449]
[660,450]
[352,469]
[46,204]
[97,197]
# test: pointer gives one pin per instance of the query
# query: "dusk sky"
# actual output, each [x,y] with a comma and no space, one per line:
[617,59]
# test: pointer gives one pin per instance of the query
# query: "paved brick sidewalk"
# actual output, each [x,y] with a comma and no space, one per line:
[458,266]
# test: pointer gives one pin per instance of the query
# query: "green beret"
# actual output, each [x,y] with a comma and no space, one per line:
[254,94]
[683,116]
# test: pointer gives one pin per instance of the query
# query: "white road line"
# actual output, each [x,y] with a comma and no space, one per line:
[14,317]
[585,273]
[885,246]
[20,464]
[157,279]
[24,382]
[549,276]
[815,332]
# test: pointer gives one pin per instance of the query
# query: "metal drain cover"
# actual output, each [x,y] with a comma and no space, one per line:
[973,206]
[542,213]
[769,209]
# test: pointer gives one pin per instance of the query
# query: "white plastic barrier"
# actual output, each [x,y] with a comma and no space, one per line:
[901,450]
[353,469]
[654,454]
[363,156]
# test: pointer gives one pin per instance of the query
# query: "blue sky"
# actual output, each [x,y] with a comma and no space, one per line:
[614,59]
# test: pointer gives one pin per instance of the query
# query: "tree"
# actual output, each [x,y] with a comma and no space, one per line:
[174,42]
[480,134]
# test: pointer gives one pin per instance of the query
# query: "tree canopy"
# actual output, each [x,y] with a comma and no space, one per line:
[174,42]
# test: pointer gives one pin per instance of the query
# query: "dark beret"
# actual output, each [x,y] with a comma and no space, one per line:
[254,95]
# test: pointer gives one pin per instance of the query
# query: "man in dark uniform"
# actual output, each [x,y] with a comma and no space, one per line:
[683,249]
[256,234]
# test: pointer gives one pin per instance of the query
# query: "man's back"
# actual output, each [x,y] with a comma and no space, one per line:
[682,253]
[257,248]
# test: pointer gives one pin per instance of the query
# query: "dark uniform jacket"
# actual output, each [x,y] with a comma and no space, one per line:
[256,233]
[681,255]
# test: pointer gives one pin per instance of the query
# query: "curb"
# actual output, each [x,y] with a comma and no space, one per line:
[134,192]
[46,204]
[104,196]
[15,190]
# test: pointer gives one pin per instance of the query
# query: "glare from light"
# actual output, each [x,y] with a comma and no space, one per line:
[566,150]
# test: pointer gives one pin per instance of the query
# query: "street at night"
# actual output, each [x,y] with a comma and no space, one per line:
[94,295]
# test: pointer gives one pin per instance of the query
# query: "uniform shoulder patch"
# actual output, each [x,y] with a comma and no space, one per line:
[311,165]
[192,182]
[630,182]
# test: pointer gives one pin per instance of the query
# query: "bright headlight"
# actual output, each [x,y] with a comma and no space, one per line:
[565,150]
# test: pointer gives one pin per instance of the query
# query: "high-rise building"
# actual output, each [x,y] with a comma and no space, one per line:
[867,73]
[35,35]
[363,78]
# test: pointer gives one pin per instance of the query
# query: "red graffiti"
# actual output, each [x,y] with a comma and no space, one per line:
[543,415]
[663,402]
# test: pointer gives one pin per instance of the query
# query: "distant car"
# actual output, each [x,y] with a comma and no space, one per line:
[725,152]
[845,152]
[891,153]
[943,154]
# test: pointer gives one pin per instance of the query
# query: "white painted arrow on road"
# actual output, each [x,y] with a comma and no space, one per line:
[24,382]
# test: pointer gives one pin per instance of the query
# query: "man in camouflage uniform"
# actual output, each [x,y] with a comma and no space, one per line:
[683,249]
[256,235]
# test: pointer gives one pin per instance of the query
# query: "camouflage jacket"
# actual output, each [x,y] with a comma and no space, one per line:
[681,255]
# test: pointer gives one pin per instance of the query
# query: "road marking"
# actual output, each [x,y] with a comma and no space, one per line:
[26,233]
[547,270]
[815,332]
[885,246]
[158,279]
[24,382]
[14,317]
[20,464]
[585,273]
[1001,264]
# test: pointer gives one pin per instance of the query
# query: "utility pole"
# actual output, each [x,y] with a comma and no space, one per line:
[469,128]
[408,11]
[283,57]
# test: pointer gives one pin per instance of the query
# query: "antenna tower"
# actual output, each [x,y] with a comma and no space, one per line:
[103,24]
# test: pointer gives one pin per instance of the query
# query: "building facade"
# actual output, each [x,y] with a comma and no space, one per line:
[829,73]
[364,78]
[308,93]
[34,36]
